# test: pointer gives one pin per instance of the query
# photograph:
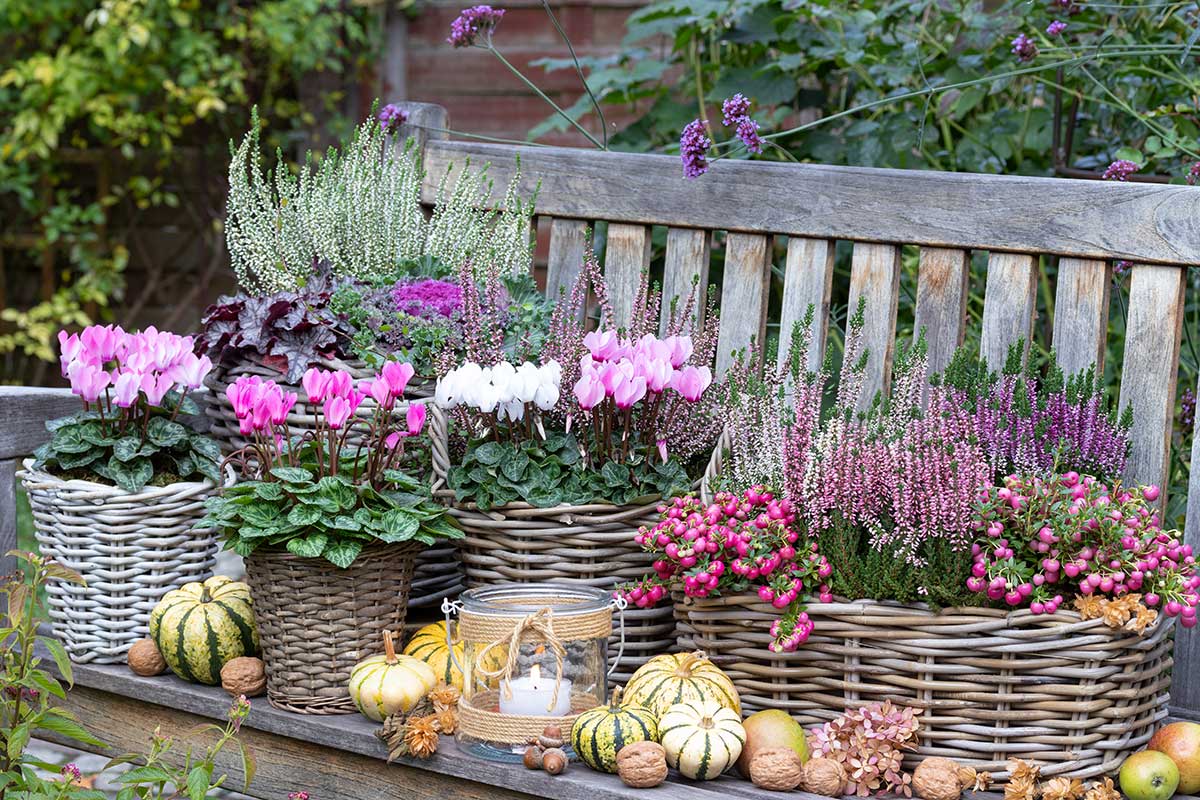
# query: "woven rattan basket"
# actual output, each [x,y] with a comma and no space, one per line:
[1075,696]
[130,548]
[316,621]
[438,571]
[592,545]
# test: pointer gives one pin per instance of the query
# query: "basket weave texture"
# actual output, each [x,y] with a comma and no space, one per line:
[315,621]
[438,573]
[1075,696]
[130,548]
[592,545]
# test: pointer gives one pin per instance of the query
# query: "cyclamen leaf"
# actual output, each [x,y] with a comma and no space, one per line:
[268,491]
[292,474]
[127,448]
[303,514]
[164,432]
[342,553]
[489,453]
[398,526]
[310,546]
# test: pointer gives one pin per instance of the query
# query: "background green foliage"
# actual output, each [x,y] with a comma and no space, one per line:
[101,102]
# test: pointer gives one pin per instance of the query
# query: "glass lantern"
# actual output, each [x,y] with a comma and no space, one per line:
[533,655]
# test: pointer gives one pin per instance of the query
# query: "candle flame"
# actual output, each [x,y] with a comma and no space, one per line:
[535,673]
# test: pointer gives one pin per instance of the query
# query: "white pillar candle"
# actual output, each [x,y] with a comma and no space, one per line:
[533,696]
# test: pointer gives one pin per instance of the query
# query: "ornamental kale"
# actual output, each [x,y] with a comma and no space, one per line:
[133,387]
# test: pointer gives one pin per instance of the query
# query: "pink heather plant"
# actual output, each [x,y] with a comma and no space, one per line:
[736,544]
[1043,536]
[870,743]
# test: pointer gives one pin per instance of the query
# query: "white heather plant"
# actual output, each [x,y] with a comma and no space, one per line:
[360,212]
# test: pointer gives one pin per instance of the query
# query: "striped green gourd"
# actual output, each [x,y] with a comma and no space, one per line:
[680,678]
[429,645]
[599,733]
[202,625]
[702,739]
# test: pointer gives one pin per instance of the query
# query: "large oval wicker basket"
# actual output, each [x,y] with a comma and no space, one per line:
[131,548]
[438,571]
[592,545]
[1075,696]
[316,621]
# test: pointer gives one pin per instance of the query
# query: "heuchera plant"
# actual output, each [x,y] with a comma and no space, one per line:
[335,489]
[736,544]
[134,387]
[1043,536]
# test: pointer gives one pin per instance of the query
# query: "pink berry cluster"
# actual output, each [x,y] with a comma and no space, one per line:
[1040,538]
[737,543]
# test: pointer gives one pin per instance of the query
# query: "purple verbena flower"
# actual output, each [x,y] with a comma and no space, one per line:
[472,22]
[1024,48]
[1119,170]
[392,116]
[1056,27]
[1187,411]
[1069,6]
[1193,176]
[1121,269]
[693,149]
[428,298]
[71,772]
[734,109]
[747,131]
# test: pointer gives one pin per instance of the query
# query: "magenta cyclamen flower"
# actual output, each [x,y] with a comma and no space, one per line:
[472,22]
[392,116]
[734,109]
[1056,27]
[1119,170]
[1024,48]
[693,149]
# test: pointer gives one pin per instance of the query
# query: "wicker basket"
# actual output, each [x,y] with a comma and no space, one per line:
[130,548]
[592,545]
[438,571]
[1075,696]
[315,621]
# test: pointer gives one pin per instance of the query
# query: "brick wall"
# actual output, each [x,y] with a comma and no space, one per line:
[482,96]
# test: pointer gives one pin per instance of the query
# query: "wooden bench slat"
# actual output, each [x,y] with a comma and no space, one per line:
[1009,305]
[686,263]
[1081,304]
[1088,219]
[942,285]
[744,290]
[875,276]
[1153,331]
[626,254]
[807,280]
[565,259]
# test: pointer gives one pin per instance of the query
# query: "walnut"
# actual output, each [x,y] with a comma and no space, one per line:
[145,660]
[642,764]
[554,761]
[777,769]
[824,776]
[244,675]
[938,778]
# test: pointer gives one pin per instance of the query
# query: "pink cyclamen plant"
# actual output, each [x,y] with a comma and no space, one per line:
[736,544]
[1044,536]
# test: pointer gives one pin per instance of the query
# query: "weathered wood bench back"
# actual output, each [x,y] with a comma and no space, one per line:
[1015,220]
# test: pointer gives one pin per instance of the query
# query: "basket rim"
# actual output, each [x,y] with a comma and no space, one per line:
[29,474]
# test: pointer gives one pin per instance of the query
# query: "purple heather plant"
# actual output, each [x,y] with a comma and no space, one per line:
[1120,170]
[473,22]
[1024,48]
[693,149]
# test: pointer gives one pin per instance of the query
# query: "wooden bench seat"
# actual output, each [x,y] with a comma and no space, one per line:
[1018,221]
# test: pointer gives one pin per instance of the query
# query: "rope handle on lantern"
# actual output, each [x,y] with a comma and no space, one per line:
[619,603]
[450,607]
[540,622]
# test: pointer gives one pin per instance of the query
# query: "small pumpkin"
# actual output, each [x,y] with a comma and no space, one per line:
[666,680]
[429,645]
[201,626]
[702,739]
[599,733]
[384,684]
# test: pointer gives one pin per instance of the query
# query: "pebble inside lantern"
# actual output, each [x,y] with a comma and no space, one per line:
[533,655]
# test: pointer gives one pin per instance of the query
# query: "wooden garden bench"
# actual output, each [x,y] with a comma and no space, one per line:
[1016,220]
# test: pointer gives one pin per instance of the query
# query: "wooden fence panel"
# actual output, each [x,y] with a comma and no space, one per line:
[626,254]
[875,277]
[807,281]
[568,240]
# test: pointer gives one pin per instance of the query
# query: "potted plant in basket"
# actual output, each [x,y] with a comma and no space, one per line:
[329,525]
[558,463]
[117,491]
[972,531]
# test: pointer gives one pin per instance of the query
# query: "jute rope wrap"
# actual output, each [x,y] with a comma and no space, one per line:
[130,548]
[315,621]
[1075,696]
[592,545]
[479,716]
[438,573]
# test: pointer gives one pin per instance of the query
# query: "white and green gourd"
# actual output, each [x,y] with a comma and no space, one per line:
[702,738]
[384,684]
